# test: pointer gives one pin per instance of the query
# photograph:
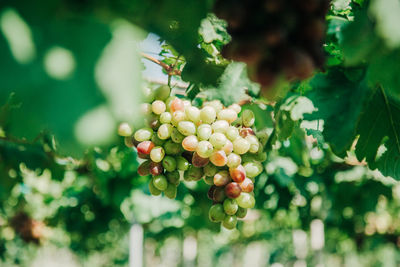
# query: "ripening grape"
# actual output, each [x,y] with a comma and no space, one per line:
[143,156]
[204,132]
[186,128]
[182,164]
[198,161]
[129,141]
[158,107]
[157,154]
[160,182]
[245,200]
[190,143]
[228,147]
[220,126]
[204,149]
[177,105]
[234,160]
[169,163]
[229,222]
[208,114]
[193,114]
[216,213]
[218,158]
[165,117]
[241,146]
[230,206]
[218,140]
[219,194]
[145,147]
[210,193]
[170,191]
[165,131]
[124,129]
[238,174]
[233,190]
[144,168]
[221,178]
[173,177]
[247,186]
[143,134]
[156,168]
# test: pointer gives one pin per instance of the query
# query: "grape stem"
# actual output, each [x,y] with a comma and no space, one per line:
[168,68]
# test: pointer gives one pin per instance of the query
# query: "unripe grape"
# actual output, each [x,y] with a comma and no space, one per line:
[165,131]
[228,147]
[169,163]
[165,117]
[145,109]
[208,180]
[220,126]
[219,194]
[210,169]
[193,174]
[238,174]
[182,164]
[263,136]
[160,182]
[253,168]
[216,104]
[232,133]
[177,104]
[190,143]
[234,160]
[247,185]
[248,118]
[230,206]
[162,92]
[153,190]
[208,114]
[154,123]
[204,131]
[157,154]
[145,147]
[176,136]
[233,190]
[144,168]
[143,134]
[241,146]
[130,141]
[186,128]
[192,114]
[227,114]
[158,107]
[157,141]
[235,107]
[260,156]
[204,149]
[172,148]
[241,212]
[221,178]
[229,222]
[148,94]
[156,168]
[216,213]
[124,129]
[246,200]
[173,177]
[218,140]
[218,158]
[171,191]
[198,161]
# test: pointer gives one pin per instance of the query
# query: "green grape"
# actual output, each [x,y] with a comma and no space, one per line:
[169,163]
[177,117]
[162,92]
[240,146]
[182,163]
[248,118]
[145,109]
[172,148]
[246,200]
[218,140]
[193,174]
[235,107]
[168,103]
[210,169]
[241,212]
[230,206]
[157,154]
[173,177]
[216,104]
[153,190]
[157,141]
[216,213]
[228,115]
[234,160]
[165,131]
[209,180]
[220,126]
[158,107]
[254,144]
[176,136]
[186,128]
[208,114]
[165,117]
[148,94]
[124,130]
[143,134]
[261,156]
[171,191]
[129,142]
[204,132]
[160,182]
[253,168]
[247,158]
[204,149]
[192,114]
[263,136]
[229,222]
[232,133]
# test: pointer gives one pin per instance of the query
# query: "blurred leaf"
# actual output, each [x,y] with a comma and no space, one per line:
[317,135]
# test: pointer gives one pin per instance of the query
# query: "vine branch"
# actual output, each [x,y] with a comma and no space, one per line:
[170,69]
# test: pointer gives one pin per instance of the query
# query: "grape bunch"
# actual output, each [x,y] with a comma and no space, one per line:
[276,38]
[211,143]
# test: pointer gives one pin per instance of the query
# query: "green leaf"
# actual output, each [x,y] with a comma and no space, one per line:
[214,29]
[318,136]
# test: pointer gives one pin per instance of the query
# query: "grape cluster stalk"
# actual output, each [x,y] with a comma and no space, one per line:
[212,143]
[276,38]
